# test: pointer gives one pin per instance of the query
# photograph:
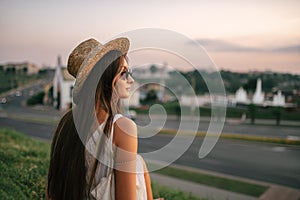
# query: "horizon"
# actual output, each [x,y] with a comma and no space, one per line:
[158,64]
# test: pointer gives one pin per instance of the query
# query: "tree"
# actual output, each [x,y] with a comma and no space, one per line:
[25,70]
[151,98]
[36,99]
[251,84]
[153,69]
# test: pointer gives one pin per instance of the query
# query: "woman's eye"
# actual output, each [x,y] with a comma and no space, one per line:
[122,73]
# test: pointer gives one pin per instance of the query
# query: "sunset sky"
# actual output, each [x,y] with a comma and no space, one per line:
[237,35]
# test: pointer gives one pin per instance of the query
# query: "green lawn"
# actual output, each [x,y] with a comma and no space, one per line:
[214,181]
[24,165]
[231,112]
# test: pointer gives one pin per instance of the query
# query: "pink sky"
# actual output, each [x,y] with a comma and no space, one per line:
[239,36]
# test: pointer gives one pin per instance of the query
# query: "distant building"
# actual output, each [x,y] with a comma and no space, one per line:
[259,96]
[278,99]
[24,67]
[241,96]
[63,83]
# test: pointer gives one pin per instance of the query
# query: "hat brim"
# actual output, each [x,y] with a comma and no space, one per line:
[120,44]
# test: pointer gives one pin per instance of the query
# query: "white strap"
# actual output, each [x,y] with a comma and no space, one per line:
[116,117]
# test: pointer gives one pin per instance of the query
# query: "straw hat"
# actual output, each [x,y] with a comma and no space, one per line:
[85,56]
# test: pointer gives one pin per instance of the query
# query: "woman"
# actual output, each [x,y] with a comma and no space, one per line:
[92,137]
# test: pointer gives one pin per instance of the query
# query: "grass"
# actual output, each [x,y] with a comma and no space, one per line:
[172,194]
[24,166]
[35,119]
[214,181]
[231,112]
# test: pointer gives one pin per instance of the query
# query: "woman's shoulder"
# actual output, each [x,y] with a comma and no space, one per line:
[123,123]
[125,131]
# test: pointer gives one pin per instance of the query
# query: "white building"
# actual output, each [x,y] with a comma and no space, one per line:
[259,96]
[241,96]
[278,99]
[63,83]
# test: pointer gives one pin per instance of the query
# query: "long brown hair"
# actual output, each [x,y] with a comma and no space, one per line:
[67,170]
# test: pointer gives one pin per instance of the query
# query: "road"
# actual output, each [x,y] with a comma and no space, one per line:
[267,162]
[272,163]
[258,161]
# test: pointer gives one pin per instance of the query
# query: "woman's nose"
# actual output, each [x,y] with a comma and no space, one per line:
[130,79]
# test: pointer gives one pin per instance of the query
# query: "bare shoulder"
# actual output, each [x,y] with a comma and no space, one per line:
[125,130]
[126,125]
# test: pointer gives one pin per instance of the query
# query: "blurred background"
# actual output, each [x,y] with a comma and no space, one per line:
[254,45]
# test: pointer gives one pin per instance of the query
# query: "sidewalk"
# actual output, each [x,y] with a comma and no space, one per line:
[275,192]
[281,193]
[197,189]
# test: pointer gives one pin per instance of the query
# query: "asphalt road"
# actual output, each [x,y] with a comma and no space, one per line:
[272,163]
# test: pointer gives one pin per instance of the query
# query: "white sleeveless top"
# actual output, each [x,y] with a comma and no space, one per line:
[90,153]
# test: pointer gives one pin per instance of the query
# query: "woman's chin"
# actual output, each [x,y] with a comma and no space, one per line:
[125,96]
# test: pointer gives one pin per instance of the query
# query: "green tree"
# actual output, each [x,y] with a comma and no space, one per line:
[36,99]
[151,98]
[25,70]
[153,69]
[251,84]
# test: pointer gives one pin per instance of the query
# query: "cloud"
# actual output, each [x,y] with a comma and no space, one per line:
[224,46]
[288,49]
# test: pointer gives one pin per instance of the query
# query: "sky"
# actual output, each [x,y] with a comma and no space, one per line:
[241,36]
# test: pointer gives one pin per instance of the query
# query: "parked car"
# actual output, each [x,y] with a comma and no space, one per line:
[18,93]
[3,100]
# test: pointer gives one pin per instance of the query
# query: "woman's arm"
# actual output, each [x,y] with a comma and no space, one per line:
[147,182]
[125,138]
